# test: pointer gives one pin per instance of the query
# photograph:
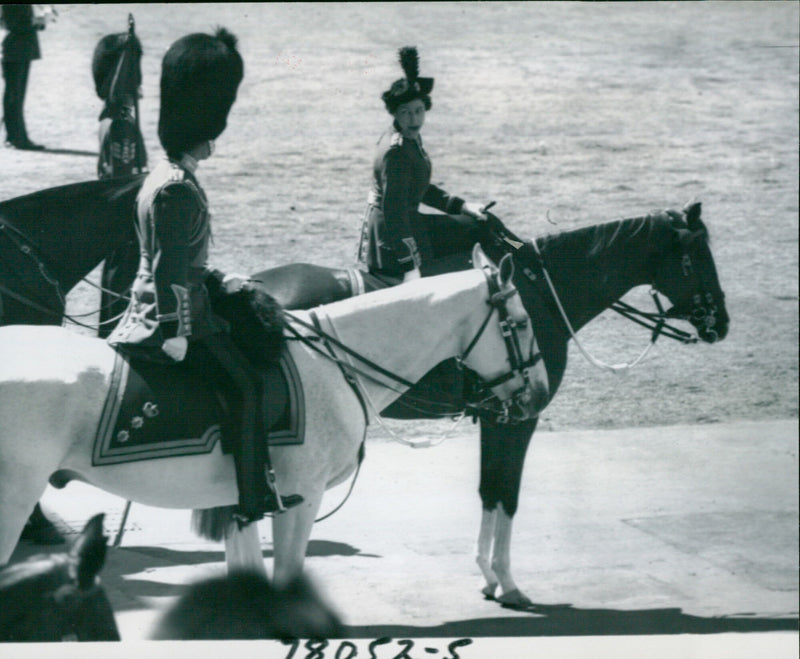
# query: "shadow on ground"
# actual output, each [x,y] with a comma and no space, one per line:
[565,620]
[543,619]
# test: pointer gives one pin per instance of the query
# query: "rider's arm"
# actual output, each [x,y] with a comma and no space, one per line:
[177,213]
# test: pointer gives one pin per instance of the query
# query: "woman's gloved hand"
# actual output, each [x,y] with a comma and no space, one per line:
[475,211]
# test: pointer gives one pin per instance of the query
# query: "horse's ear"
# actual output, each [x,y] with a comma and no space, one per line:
[89,552]
[692,212]
[506,269]
[480,260]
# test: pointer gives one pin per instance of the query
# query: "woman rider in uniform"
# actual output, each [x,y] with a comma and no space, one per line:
[398,243]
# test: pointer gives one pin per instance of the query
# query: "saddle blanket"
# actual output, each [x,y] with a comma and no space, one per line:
[160,411]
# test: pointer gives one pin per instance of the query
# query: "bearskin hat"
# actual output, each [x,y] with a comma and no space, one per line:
[200,75]
[412,86]
[106,56]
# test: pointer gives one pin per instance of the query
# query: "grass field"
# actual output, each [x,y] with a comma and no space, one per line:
[566,114]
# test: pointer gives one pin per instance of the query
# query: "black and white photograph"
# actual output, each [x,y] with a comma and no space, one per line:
[397,330]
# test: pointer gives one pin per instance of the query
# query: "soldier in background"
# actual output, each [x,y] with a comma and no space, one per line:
[117,73]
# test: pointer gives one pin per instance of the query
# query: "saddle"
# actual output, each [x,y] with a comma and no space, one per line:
[162,411]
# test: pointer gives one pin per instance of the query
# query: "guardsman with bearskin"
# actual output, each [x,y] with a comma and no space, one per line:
[117,73]
[169,318]
[398,243]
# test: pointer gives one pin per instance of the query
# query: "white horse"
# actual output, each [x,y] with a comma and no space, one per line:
[54,384]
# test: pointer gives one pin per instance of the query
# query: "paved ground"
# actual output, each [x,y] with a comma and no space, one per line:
[657,532]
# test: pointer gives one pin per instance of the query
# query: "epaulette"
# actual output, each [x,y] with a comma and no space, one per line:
[397,139]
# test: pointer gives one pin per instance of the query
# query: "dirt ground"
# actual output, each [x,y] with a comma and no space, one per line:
[565,114]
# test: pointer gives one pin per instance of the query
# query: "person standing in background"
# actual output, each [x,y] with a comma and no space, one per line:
[20,48]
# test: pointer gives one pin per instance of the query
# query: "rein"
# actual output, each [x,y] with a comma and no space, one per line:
[23,244]
[653,321]
[614,368]
[496,302]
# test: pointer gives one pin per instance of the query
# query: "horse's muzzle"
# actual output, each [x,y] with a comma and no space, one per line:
[527,403]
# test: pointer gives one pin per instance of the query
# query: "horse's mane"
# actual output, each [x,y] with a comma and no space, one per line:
[67,196]
[599,238]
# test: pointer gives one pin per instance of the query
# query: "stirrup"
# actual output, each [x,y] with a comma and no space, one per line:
[275,502]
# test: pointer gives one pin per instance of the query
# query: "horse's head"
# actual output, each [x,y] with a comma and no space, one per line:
[686,274]
[57,597]
[504,353]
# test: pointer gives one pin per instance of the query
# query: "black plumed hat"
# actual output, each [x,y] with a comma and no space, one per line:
[106,57]
[200,75]
[412,86]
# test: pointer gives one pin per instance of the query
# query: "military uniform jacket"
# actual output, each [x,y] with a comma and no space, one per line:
[21,44]
[168,296]
[122,150]
[394,239]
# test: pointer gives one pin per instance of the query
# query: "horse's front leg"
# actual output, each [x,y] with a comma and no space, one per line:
[20,489]
[501,561]
[503,448]
[484,552]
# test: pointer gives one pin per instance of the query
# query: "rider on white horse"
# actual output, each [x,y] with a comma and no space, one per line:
[169,318]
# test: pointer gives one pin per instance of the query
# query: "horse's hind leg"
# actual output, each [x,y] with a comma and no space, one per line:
[243,549]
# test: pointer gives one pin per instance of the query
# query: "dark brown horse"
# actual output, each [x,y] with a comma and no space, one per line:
[49,241]
[565,280]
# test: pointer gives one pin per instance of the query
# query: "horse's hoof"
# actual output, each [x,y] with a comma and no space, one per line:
[489,591]
[514,599]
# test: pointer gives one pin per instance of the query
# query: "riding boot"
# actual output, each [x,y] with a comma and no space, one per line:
[258,491]
[257,495]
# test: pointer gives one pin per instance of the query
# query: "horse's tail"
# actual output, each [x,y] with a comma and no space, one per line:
[213,523]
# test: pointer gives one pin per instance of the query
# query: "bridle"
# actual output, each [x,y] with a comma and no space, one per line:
[493,407]
[701,310]
[502,410]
